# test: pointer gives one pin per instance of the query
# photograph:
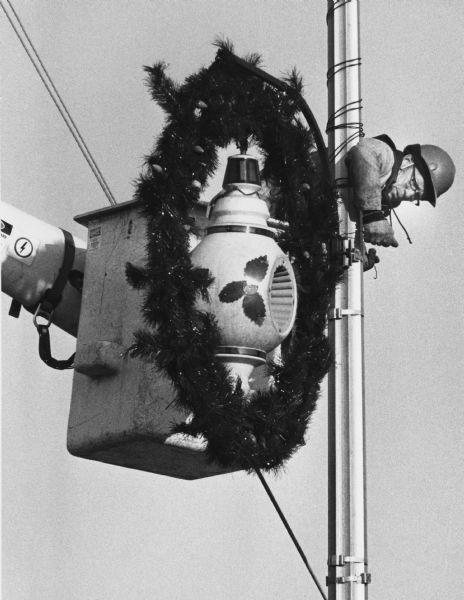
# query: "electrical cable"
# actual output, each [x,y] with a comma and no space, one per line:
[342,66]
[334,7]
[404,228]
[300,102]
[341,112]
[290,532]
[346,108]
[57,100]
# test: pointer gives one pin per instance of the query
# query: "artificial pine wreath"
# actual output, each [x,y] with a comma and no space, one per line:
[214,107]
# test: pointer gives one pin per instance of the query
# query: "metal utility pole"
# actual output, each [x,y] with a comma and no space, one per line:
[347,561]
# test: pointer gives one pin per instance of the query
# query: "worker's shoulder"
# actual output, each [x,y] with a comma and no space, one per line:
[372,144]
[371,150]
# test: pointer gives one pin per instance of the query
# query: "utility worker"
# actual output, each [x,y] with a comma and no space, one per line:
[382,177]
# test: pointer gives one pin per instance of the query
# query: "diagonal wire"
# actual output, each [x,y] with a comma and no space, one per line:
[58,101]
[290,532]
[403,227]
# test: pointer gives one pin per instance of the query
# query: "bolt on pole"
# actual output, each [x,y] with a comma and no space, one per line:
[347,561]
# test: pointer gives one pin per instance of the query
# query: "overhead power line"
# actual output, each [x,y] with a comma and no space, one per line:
[55,96]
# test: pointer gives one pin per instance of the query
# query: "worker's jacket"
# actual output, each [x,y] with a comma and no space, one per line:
[370,164]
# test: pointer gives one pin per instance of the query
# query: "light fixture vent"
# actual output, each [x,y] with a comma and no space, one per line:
[282,299]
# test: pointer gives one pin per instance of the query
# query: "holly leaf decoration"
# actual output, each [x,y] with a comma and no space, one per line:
[253,303]
[254,309]
[232,291]
[257,268]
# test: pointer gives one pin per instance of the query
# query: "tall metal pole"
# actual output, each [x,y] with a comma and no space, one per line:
[347,561]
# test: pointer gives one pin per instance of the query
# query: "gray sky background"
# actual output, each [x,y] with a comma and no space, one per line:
[81,530]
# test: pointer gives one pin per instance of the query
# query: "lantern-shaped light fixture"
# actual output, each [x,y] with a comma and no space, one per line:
[253,295]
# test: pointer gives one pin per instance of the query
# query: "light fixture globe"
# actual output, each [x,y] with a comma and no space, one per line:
[253,296]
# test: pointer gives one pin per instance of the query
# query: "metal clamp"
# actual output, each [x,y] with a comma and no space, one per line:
[342,560]
[353,254]
[366,578]
[363,578]
[339,313]
[345,249]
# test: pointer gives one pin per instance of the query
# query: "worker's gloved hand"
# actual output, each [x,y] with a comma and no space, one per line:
[370,259]
[380,233]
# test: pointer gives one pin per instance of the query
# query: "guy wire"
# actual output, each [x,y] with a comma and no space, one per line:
[290,532]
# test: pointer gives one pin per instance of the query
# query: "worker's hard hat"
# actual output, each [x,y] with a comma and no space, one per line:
[436,167]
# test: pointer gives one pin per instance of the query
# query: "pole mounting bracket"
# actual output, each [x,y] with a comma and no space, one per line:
[341,560]
[339,313]
[345,250]
[363,578]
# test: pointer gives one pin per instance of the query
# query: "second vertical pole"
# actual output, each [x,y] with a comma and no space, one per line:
[347,560]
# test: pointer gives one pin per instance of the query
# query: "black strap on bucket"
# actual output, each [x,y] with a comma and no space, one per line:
[45,351]
[49,302]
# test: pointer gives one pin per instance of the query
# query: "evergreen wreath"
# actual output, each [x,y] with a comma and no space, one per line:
[216,106]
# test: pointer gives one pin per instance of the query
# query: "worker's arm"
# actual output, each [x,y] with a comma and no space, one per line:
[369,164]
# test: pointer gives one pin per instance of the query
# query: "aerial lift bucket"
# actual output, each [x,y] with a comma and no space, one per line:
[123,409]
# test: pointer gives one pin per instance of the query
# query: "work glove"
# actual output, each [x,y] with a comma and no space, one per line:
[370,259]
[380,233]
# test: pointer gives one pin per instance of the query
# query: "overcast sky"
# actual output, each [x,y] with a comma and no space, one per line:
[79,530]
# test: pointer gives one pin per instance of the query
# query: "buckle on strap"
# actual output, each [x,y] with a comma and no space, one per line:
[43,312]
